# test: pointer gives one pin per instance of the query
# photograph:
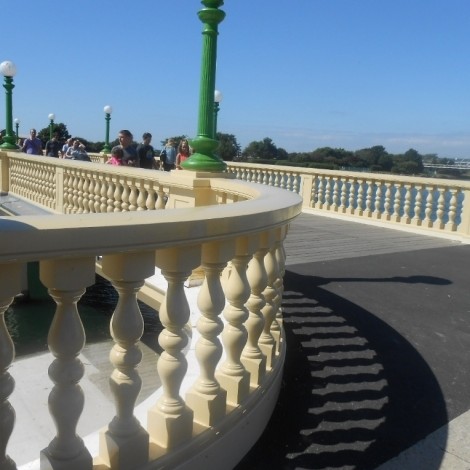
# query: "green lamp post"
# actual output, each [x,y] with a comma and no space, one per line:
[107,111]
[51,124]
[217,99]
[8,70]
[17,126]
[204,144]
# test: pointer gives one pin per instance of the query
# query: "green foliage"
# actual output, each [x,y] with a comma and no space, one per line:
[229,149]
[264,149]
[60,127]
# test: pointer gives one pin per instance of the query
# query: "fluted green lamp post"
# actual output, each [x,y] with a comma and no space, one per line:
[51,124]
[107,111]
[217,99]
[8,70]
[17,126]
[204,144]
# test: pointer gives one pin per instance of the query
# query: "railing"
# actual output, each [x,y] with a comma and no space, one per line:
[431,204]
[231,230]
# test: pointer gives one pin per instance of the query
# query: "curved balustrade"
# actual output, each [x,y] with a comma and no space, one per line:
[223,387]
[421,203]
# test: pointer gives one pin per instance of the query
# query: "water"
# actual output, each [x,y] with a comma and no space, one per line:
[28,321]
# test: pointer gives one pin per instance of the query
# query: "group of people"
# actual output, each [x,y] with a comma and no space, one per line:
[73,149]
[143,155]
[126,153]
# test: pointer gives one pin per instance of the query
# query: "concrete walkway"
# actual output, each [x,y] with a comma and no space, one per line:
[378,346]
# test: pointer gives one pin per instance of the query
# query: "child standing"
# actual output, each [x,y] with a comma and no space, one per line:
[116,157]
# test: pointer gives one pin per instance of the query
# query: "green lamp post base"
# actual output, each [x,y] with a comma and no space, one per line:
[204,158]
[8,143]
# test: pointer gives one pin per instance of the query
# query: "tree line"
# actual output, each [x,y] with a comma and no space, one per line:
[374,159]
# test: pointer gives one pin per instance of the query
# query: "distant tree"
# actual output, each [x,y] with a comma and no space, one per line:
[60,127]
[228,149]
[264,150]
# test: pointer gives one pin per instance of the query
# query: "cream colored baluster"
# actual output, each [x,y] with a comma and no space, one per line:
[10,285]
[66,280]
[407,205]
[417,220]
[267,343]
[142,197]
[151,198]
[110,196]
[344,195]
[252,357]
[160,198]
[429,205]
[360,197]
[280,257]
[170,421]
[296,187]
[125,444]
[103,194]
[232,375]
[133,196]
[91,196]
[335,197]
[206,398]
[369,192]
[328,193]
[66,207]
[125,197]
[75,193]
[451,225]
[97,196]
[378,200]
[118,197]
[80,195]
[388,201]
[86,193]
[397,202]
[352,196]
[440,208]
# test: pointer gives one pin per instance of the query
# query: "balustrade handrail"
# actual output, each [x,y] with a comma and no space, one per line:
[438,206]
[232,231]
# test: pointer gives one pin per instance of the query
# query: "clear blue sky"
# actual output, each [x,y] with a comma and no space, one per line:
[306,73]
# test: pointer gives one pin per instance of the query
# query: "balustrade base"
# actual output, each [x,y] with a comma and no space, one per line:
[83,461]
[122,453]
[170,431]
[269,350]
[256,368]
[208,409]
[237,387]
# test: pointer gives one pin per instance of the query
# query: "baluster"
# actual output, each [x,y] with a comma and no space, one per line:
[407,204]
[352,196]
[388,201]
[295,186]
[232,375]
[66,280]
[160,198]
[91,195]
[170,421]
[369,192]
[335,198]
[103,194]
[206,398]
[86,189]
[110,197]
[429,206]
[451,225]
[151,199]
[133,197]
[252,357]
[10,285]
[320,197]
[417,219]
[440,208]
[75,194]
[280,254]
[80,195]
[328,186]
[378,200]
[397,202]
[97,196]
[67,196]
[125,444]
[125,197]
[267,343]
[118,197]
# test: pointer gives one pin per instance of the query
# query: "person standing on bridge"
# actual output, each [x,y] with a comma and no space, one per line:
[33,145]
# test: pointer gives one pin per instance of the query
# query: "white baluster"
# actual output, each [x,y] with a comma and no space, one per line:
[66,280]
[451,225]
[125,444]
[440,208]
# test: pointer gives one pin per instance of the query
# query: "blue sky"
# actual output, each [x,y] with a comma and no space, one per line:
[305,73]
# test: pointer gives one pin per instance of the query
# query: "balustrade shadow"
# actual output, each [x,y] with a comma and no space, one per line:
[355,392]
